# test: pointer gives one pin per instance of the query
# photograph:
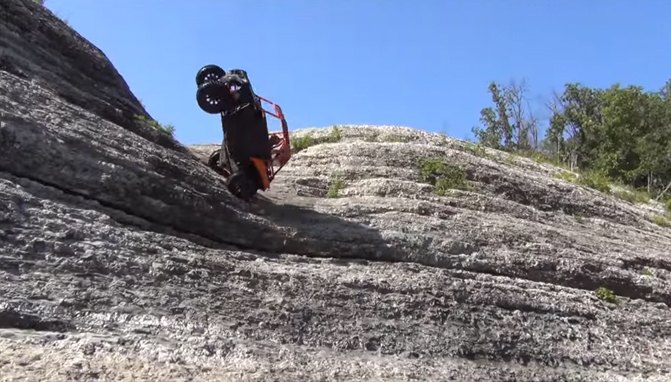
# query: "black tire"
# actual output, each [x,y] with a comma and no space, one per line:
[242,185]
[213,97]
[209,73]
[213,162]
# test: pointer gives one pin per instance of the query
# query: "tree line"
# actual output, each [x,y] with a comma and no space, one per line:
[622,133]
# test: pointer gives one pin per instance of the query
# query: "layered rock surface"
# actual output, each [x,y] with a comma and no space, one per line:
[122,256]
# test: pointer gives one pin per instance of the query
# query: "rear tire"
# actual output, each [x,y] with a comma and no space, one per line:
[213,97]
[242,185]
[209,73]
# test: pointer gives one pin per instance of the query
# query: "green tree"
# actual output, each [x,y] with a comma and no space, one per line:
[655,147]
[491,134]
[508,125]
[621,132]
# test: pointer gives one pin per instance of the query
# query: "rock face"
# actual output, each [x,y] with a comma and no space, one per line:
[122,256]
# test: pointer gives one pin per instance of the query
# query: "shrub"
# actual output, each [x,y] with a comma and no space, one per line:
[301,143]
[335,186]
[661,221]
[371,138]
[396,138]
[595,180]
[443,140]
[510,160]
[607,295]
[445,184]
[476,149]
[568,176]
[443,176]
[166,129]
[336,134]
[633,196]
[590,179]
[540,157]
[668,205]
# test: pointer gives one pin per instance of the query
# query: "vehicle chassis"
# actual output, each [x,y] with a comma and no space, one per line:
[250,157]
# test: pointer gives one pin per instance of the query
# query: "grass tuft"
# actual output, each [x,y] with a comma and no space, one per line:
[633,196]
[476,149]
[336,134]
[661,221]
[595,180]
[299,144]
[165,129]
[540,157]
[567,176]
[396,138]
[335,186]
[443,176]
[607,295]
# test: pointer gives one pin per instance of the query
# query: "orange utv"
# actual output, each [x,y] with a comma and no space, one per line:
[250,156]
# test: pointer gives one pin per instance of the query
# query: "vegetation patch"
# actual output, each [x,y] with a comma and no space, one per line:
[595,180]
[568,177]
[371,138]
[476,149]
[335,186]
[614,135]
[443,176]
[668,205]
[396,138]
[336,134]
[165,129]
[540,157]
[607,295]
[443,140]
[661,221]
[299,144]
[590,179]
[601,183]
[633,196]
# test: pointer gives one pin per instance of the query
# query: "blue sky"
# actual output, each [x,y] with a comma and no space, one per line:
[424,64]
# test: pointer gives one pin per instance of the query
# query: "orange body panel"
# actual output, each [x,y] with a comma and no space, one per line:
[262,169]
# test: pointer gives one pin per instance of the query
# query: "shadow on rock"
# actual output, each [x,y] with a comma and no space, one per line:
[324,235]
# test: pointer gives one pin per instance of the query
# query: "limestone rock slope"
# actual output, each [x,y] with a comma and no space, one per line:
[123,257]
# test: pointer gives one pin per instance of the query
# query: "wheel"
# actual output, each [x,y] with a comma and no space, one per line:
[213,163]
[274,140]
[242,186]
[209,73]
[213,160]
[213,97]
